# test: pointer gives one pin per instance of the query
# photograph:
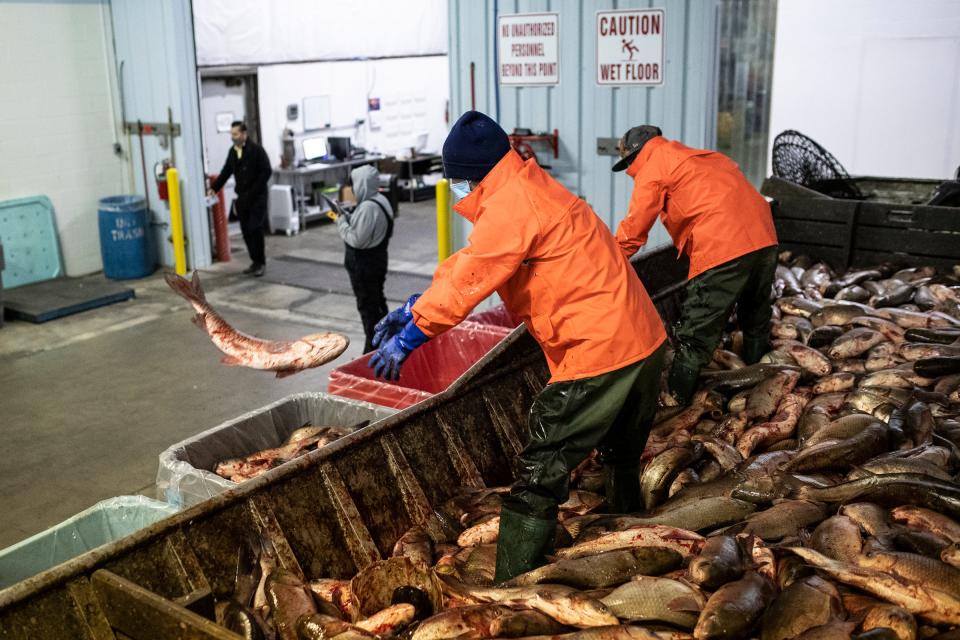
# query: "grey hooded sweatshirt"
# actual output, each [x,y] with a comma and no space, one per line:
[366,227]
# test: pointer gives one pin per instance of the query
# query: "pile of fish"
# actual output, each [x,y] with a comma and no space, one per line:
[300,442]
[811,496]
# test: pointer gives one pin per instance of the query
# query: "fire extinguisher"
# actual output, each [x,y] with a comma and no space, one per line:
[160,173]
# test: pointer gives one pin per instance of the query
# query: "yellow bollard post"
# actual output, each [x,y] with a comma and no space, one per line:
[176,222]
[444,239]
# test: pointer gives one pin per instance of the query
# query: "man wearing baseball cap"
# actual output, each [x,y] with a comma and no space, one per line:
[556,266]
[724,226]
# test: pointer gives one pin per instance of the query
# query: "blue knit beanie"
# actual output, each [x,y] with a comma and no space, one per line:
[474,145]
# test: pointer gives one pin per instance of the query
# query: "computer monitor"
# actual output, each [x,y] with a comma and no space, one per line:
[314,148]
[339,147]
[420,142]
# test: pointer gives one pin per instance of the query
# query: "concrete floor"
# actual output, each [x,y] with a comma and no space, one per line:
[87,402]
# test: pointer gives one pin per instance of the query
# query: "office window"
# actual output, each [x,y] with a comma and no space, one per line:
[747,29]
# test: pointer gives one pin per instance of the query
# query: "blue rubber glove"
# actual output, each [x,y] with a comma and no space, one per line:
[393,322]
[388,358]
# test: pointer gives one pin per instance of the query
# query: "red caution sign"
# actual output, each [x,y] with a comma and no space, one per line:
[630,47]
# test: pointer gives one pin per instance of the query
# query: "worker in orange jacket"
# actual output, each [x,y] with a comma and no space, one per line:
[557,267]
[722,224]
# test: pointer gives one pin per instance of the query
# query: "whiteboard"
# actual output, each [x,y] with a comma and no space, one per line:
[316,112]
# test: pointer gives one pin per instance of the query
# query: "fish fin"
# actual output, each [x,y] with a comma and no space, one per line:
[745,543]
[684,603]
[795,484]
[948,444]
[196,288]
[689,583]
[187,289]
[287,372]
[200,319]
[180,286]
[230,361]
[862,470]
[733,529]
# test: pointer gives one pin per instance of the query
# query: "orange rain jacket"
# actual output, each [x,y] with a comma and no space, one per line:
[710,210]
[555,265]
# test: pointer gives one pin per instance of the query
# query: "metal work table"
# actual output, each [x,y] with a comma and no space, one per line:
[300,178]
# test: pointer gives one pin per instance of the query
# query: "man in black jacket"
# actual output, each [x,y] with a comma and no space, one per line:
[248,162]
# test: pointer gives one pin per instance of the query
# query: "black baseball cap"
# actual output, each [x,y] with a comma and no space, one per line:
[633,141]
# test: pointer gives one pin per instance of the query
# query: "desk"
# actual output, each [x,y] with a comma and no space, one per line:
[300,178]
[410,169]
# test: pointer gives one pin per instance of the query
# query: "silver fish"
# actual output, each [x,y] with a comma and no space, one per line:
[285,357]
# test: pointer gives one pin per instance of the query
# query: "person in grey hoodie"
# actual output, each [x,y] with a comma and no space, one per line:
[366,232]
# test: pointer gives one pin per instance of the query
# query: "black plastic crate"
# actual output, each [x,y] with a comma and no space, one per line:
[863,232]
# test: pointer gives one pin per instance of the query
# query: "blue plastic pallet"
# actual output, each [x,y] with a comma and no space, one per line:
[28,232]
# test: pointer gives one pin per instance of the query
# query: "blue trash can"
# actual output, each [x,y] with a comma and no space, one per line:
[125,243]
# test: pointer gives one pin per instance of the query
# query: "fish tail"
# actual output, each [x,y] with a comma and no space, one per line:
[798,488]
[865,472]
[190,290]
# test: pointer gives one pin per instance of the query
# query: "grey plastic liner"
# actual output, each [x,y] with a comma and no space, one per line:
[104,522]
[186,476]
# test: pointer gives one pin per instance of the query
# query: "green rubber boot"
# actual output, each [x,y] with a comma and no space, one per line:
[682,382]
[523,543]
[623,489]
[754,349]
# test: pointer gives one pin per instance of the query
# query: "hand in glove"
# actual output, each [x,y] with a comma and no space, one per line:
[393,322]
[391,354]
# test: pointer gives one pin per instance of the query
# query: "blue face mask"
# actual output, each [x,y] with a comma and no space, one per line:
[460,189]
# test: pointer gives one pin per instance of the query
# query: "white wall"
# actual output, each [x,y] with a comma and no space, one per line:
[268,31]
[876,82]
[56,118]
[413,93]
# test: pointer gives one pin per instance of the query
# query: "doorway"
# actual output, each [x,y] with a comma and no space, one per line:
[226,96]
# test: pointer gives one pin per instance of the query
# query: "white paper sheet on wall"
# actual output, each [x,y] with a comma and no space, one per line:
[403,119]
[224,118]
[316,112]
